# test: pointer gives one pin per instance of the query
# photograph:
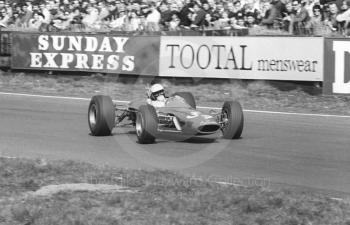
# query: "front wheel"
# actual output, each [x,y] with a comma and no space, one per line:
[146,124]
[101,115]
[232,120]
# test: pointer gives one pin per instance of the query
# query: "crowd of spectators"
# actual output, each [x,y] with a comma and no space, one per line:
[291,16]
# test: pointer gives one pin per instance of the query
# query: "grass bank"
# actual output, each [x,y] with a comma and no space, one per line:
[255,95]
[153,197]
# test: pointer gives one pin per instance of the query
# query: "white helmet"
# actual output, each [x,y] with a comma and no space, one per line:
[156,92]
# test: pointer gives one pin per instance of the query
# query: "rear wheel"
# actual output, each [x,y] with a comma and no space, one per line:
[233,120]
[101,115]
[146,124]
[188,96]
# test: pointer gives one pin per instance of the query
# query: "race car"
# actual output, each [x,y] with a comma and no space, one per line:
[179,115]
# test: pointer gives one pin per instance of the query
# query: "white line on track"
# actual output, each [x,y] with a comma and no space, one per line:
[200,107]
[8,157]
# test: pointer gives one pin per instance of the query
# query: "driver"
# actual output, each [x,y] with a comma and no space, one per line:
[156,95]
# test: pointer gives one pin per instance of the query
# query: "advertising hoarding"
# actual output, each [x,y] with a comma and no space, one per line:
[337,66]
[268,58]
[86,52]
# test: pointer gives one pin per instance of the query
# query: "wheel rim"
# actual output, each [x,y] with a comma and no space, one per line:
[93,115]
[224,117]
[138,125]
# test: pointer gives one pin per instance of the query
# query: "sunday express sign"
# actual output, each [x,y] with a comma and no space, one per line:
[93,53]
[270,58]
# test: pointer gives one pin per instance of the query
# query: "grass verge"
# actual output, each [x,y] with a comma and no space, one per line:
[256,95]
[156,197]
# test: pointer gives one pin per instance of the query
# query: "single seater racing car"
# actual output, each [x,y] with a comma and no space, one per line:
[179,115]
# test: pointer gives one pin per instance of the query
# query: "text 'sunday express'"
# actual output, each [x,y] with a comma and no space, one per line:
[82,52]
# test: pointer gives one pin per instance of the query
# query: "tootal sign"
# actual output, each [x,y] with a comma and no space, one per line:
[337,66]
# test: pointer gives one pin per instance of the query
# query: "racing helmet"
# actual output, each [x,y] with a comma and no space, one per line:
[156,92]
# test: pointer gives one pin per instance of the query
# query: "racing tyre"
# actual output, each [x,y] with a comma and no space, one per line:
[146,124]
[232,116]
[188,96]
[101,115]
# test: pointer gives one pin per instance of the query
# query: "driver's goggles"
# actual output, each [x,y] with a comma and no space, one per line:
[158,93]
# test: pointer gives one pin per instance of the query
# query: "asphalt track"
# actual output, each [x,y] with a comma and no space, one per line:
[308,151]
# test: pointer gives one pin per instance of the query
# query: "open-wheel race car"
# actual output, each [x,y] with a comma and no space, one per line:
[178,115]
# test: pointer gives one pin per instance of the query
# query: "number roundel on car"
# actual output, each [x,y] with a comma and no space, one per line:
[207,117]
[194,114]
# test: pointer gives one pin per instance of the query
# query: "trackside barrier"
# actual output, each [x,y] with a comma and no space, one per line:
[268,58]
[250,57]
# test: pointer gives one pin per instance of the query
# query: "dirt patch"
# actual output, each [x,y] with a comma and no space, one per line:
[54,189]
[156,197]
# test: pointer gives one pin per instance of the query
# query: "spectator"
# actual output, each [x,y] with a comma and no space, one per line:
[53,7]
[185,15]
[186,23]
[153,18]
[75,5]
[26,16]
[76,22]
[174,24]
[36,8]
[300,20]
[287,17]
[2,4]
[217,11]
[134,22]
[4,17]
[344,17]
[317,20]
[224,22]
[9,10]
[271,15]
[309,5]
[45,11]
[112,12]
[137,8]
[165,16]
[103,11]
[208,22]
[264,8]
[84,7]
[144,10]
[119,23]
[206,8]
[251,20]
[198,16]
[68,6]
[16,8]
[234,9]
[250,10]
[240,23]
[29,5]
[331,17]
[63,21]
[90,20]
[15,20]
[35,22]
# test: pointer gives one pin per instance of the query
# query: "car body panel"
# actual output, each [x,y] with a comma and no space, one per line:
[193,122]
